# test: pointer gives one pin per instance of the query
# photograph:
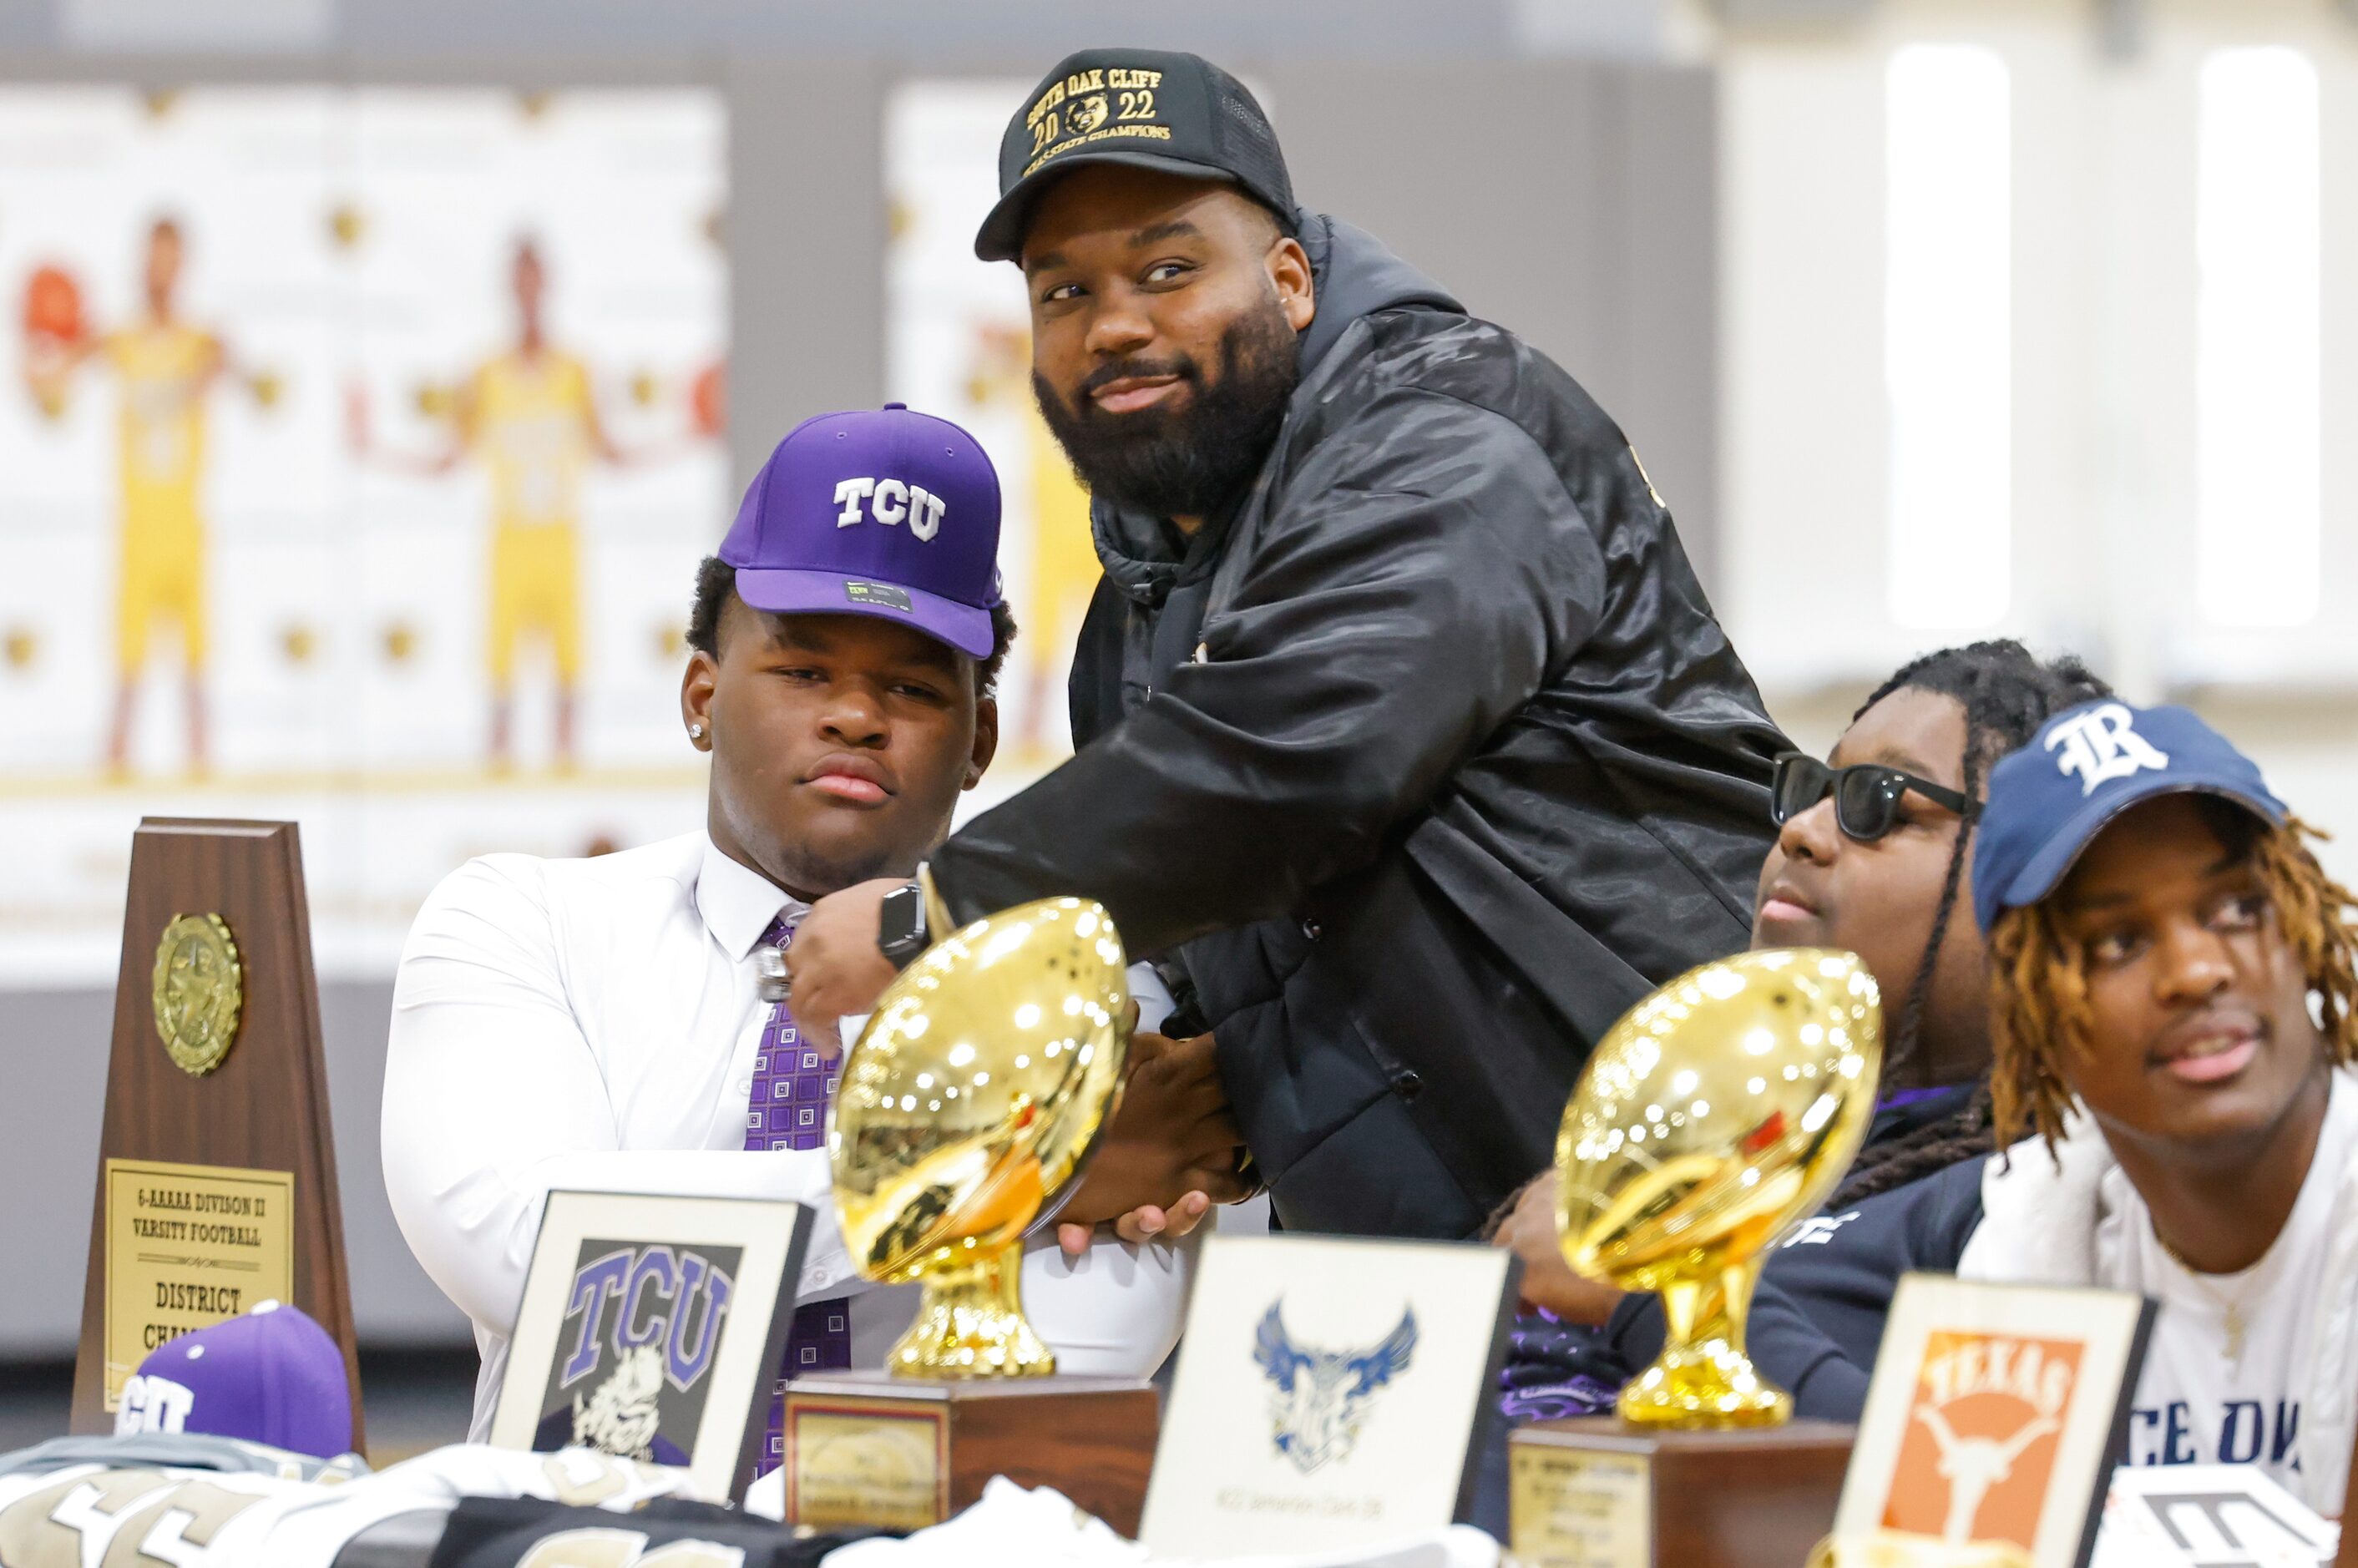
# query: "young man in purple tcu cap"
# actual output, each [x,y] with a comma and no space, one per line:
[1408,740]
[598,1024]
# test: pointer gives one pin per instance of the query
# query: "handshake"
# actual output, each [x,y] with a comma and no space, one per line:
[1172,1148]
[1172,1151]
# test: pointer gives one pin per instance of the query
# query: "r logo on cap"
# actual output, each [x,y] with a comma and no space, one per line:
[2103,744]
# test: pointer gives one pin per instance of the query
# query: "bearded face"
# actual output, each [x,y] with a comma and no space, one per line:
[1189,455]
[1166,310]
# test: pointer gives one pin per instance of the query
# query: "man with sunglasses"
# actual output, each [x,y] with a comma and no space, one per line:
[1866,795]
[1873,854]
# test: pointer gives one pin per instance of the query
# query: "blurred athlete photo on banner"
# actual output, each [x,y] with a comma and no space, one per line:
[1063,565]
[530,417]
[164,368]
[959,337]
[313,400]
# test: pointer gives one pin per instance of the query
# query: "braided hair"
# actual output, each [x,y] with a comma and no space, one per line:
[2006,693]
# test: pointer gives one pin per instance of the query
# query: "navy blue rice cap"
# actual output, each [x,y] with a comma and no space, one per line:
[2049,801]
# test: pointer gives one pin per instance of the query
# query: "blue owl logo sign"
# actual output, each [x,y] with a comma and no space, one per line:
[1320,1399]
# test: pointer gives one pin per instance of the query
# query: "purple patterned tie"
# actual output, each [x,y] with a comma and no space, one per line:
[793,1086]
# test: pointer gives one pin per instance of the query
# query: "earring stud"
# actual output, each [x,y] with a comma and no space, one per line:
[696,731]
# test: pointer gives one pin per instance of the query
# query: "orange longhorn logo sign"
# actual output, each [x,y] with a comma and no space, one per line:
[1978,1458]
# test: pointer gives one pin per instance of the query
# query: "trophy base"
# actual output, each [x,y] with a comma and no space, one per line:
[867,1448]
[1596,1490]
[970,1325]
[1711,1388]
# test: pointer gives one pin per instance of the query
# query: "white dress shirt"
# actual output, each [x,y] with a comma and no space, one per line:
[592,1024]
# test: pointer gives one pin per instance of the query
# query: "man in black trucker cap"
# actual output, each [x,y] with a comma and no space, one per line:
[1407,738]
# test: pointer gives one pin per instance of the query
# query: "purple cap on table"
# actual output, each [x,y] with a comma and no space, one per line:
[270,1375]
[877,512]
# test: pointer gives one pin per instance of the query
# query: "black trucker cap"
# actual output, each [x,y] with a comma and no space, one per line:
[1147,108]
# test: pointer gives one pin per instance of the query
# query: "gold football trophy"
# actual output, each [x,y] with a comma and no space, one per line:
[1720,1112]
[964,1114]
[966,1110]
[1711,1117]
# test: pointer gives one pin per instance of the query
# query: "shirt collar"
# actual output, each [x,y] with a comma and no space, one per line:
[738,903]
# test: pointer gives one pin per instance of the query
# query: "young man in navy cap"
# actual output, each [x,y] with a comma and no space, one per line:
[2174,1017]
[598,1024]
[1406,729]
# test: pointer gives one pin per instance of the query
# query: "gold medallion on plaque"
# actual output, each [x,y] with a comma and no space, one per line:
[200,991]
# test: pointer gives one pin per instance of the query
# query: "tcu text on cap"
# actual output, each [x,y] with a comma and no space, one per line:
[153,1403]
[890,501]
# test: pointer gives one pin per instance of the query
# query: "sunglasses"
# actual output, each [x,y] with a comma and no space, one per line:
[1866,797]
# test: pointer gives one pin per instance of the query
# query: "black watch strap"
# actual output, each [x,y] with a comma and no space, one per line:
[901,931]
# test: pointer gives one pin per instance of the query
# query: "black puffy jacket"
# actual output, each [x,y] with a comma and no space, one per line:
[1428,761]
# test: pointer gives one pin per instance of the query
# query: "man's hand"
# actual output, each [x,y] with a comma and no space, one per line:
[1169,1154]
[1529,1233]
[1140,1225]
[834,967]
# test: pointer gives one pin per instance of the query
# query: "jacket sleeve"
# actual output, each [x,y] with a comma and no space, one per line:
[1423,572]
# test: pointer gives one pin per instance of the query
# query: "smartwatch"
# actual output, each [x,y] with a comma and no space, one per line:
[901,929]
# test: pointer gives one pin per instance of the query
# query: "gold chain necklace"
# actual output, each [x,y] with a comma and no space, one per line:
[2231,1307]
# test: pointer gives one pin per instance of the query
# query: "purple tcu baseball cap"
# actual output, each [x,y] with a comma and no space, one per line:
[876,512]
[270,1375]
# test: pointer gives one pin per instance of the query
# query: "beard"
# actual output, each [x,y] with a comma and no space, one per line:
[1195,460]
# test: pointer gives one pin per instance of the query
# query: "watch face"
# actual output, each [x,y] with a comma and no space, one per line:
[902,923]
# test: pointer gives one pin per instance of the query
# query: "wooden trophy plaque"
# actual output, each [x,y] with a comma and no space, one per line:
[217,1170]
[872,1449]
[1596,1493]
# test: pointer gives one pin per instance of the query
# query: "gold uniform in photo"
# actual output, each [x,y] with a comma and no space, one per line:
[163,371]
[531,424]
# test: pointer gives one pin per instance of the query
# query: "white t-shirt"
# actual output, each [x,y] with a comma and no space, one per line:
[594,1024]
[2196,1403]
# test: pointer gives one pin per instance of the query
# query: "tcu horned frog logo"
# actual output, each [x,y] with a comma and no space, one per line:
[645,1320]
[1322,1398]
[1979,1451]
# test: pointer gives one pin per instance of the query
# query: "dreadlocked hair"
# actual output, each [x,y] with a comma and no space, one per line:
[1964,1133]
[2039,979]
[2006,693]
